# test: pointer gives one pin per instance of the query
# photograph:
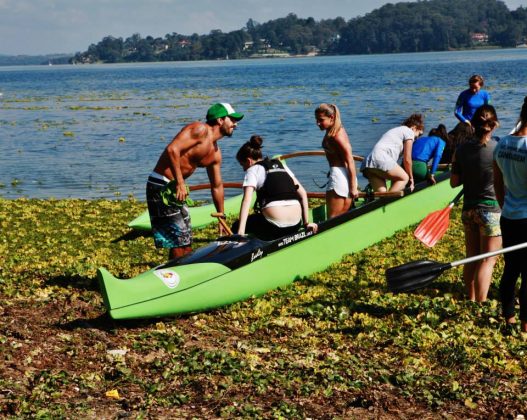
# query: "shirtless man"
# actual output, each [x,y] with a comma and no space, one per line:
[166,192]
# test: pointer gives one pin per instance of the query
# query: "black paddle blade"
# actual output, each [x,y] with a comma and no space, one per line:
[414,275]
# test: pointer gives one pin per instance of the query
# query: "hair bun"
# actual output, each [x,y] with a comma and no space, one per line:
[256,142]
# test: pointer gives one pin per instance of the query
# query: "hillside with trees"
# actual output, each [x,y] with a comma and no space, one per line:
[433,25]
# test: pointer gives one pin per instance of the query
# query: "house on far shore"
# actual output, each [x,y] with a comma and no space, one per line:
[479,38]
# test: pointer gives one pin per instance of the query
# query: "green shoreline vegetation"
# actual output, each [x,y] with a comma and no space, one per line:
[433,25]
[334,345]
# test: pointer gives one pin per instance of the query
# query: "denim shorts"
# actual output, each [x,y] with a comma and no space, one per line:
[488,222]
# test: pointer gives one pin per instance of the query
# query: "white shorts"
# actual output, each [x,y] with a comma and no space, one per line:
[378,160]
[338,181]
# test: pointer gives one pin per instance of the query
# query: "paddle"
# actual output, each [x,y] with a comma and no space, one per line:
[207,186]
[221,221]
[310,153]
[418,274]
[361,194]
[434,226]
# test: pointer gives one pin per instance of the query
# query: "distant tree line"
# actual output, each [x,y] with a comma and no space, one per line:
[433,25]
[24,60]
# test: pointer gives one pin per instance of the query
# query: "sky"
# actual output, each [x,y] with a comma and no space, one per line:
[34,27]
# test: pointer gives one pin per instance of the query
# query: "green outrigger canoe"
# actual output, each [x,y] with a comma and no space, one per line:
[234,268]
[199,215]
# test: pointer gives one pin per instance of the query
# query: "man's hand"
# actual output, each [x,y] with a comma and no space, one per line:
[181,192]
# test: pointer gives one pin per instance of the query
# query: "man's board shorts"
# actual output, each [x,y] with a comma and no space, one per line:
[169,217]
[488,222]
[338,181]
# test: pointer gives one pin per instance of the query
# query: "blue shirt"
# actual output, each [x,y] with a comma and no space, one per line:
[426,148]
[511,157]
[468,102]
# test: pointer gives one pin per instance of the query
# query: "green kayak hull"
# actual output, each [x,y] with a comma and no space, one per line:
[199,286]
[199,216]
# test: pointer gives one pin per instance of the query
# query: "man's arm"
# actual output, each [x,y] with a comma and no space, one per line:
[186,139]
[216,184]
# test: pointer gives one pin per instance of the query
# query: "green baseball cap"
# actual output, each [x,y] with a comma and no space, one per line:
[223,110]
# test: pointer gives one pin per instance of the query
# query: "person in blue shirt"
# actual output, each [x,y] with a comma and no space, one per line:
[426,148]
[471,99]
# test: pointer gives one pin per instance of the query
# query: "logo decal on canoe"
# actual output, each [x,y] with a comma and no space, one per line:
[294,238]
[169,277]
[257,254]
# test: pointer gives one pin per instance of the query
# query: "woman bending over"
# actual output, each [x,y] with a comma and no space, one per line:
[426,148]
[381,164]
[281,206]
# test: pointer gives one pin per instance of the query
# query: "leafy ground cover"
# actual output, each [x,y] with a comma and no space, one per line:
[333,345]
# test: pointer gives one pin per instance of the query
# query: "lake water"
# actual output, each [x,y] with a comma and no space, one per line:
[97,131]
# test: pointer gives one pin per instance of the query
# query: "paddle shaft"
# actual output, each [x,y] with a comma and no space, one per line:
[206,186]
[456,199]
[311,153]
[488,254]
[221,221]
[281,157]
[361,194]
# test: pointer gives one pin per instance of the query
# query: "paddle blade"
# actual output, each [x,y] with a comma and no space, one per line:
[414,275]
[433,227]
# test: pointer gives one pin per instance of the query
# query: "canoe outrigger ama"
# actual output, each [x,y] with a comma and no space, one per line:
[234,268]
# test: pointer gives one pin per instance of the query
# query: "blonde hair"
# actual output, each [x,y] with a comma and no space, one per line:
[330,110]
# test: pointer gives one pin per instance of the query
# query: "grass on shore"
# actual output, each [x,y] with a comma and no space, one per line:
[333,345]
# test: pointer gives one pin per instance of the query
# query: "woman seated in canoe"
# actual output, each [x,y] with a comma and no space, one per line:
[281,206]
[342,186]
[381,164]
[426,148]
